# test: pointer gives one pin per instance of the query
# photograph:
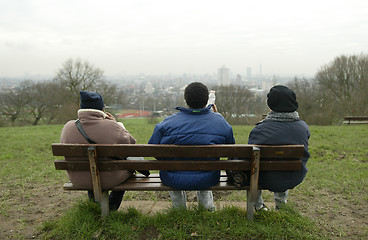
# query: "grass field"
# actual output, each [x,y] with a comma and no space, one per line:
[331,203]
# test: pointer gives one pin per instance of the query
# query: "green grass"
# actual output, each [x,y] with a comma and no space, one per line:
[83,222]
[25,151]
[338,163]
[335,186]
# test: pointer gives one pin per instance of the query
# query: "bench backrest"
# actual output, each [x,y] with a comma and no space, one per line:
[284,157]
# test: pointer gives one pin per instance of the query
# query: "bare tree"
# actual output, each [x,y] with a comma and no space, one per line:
[46,99]
[314,107]
[108,91]
[345,81]
[338,89]
[13,102]
[235,102]
[77,75]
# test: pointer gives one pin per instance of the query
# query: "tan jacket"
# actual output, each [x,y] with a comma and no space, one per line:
[101,130]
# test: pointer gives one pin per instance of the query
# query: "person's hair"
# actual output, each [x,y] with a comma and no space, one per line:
[196,95]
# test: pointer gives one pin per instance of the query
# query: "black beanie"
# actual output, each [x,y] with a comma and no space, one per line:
[91,100]
[282,99]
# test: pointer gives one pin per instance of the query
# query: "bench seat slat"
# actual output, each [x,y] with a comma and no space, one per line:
[156,175]
[155,178]
[155,186]
[139,178]
[162,187]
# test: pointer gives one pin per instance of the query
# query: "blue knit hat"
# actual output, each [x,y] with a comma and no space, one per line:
[91,100]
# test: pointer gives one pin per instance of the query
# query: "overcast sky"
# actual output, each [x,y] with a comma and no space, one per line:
[286,37]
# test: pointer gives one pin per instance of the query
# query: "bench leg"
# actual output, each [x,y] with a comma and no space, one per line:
[253,188]
[104,203]
[250,206]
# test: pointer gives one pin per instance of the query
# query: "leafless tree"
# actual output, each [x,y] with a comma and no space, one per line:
[46,99]
[345,81]
[108,91]
[235,102]
[77,75]
[14,101]
[339,88]
[313,104]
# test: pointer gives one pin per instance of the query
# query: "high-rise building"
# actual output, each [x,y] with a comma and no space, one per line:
[223,76]
[239,80]
[249,73]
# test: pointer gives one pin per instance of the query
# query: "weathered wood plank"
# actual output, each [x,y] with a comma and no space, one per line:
[158,150]
[95,174]
[265,165]
[154,186]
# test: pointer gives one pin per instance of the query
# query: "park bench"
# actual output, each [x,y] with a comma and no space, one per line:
[253,158]
[355,119]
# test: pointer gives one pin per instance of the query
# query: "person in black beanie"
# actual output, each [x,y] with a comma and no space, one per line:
[281,126]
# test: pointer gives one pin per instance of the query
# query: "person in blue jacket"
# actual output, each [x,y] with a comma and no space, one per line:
[195,125]
[281,126]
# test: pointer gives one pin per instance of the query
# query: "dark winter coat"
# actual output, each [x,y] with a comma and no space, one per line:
[272,132]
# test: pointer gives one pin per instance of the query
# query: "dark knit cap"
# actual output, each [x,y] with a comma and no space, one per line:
[91,100]
[282,99]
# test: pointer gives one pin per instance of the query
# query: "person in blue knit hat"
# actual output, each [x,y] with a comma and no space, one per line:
[101,127]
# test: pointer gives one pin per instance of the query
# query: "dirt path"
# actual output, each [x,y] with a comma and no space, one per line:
[29,209]
[340,217]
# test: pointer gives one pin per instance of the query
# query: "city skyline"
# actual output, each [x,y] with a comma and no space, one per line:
[282,38]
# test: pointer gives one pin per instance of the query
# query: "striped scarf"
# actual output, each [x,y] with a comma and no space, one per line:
[282,116]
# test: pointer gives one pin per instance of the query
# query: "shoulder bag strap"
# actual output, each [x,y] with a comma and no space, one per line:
[81,130]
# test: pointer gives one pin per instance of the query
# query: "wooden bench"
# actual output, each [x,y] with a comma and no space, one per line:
[355,119]
[251,158]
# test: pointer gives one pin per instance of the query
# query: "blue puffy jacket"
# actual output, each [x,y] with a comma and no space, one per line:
[192,127]
[272,132]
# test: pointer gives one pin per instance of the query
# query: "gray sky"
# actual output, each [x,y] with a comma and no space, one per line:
[286,37]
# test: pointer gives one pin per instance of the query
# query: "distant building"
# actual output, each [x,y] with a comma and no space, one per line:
[249,73]
[239,80]
[148,88]
[223,76]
